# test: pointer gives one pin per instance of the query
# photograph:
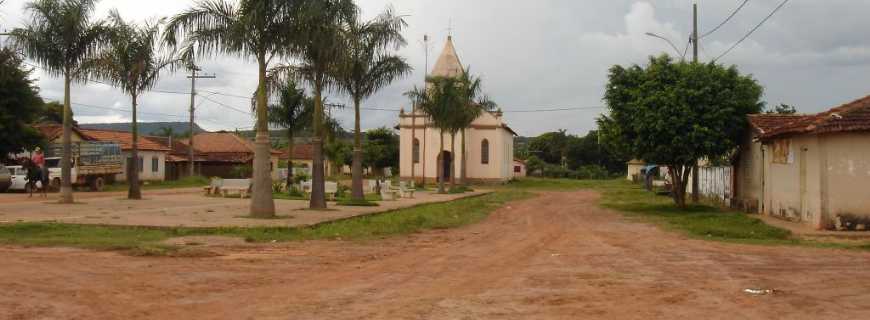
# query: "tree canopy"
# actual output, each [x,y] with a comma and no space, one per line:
[675,113]
[20,105]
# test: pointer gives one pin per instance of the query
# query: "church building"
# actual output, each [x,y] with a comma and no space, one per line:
[489,142]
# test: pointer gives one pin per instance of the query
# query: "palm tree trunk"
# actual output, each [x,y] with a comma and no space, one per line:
[441,164]
[356,169]
[290,146]
[462,173]
[452,159]
[262,205]
[134,192]
[318,193]
[65,163]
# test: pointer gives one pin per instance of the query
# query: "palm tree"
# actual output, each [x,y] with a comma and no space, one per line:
[472,106]
[366,68]
[60,37]
[292,113]
[132,63]
[320,52]
[260,29]
[439,102]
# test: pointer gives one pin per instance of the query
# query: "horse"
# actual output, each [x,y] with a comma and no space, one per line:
[35,174]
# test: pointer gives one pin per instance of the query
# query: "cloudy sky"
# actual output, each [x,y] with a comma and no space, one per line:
[535,55]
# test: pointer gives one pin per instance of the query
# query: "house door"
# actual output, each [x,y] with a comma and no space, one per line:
[445,167]
[804,210]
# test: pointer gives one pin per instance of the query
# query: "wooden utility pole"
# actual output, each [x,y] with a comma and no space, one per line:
[193,76]
[695,182]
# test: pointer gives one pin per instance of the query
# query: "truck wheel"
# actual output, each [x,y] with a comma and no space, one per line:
[97,184]
[55,184]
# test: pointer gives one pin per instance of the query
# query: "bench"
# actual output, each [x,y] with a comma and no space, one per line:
[388,194]
[240,186]
[214,187]
[330,188]
[404,191]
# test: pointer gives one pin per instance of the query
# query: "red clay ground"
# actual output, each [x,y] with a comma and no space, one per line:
[553,257]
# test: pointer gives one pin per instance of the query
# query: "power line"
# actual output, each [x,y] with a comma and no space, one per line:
[227,94]
[733,13]
[751,31]
[552,110]
[227,106]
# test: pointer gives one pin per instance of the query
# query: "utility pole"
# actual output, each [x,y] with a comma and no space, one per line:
[193,76]
[413,122]
[695,184]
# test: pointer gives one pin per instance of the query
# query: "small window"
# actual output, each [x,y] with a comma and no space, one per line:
[484,151]
[518,169]
[155,164]
[416,151]
[141,164]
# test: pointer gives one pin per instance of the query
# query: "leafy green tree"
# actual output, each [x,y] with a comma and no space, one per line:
[51,112]
[258,29]
[19,105]
[381,149]
[292,113]
[61,37]
[551,147]
[675,113]
[782,108]
[366,67]
[133,63]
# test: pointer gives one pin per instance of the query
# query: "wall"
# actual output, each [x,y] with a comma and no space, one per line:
[146,174]
[522,171]
[499,168]
[748,176]
[847,160]
[784,196]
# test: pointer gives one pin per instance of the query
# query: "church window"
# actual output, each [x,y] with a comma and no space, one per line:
[416,151]
[484,151]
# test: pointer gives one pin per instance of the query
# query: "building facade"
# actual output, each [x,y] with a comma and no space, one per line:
[812,169]
[489,141]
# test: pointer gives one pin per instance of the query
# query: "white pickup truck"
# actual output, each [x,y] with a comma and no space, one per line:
[93,164]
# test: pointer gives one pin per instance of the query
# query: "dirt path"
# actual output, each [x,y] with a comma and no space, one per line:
[553,257]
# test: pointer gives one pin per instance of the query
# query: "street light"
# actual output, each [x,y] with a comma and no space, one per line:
[669,42]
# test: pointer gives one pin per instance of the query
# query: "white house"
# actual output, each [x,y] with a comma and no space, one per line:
[152,154]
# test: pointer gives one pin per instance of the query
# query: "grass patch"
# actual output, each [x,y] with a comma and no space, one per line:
[187,182]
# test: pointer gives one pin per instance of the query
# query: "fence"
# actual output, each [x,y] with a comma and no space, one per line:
[715,183]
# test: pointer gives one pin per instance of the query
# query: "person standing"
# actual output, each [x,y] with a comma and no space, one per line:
[38,159]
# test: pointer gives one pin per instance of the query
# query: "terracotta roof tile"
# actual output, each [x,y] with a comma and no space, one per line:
[52,131]
[300,152]
[852,116]
[764,123]
[124,138]
[217,147]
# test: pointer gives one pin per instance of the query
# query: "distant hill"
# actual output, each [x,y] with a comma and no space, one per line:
[146,128]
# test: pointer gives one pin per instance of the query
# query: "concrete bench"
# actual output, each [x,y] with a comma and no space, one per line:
[405,191]
[214,187]
[330,188]
[240,186]
[388,194]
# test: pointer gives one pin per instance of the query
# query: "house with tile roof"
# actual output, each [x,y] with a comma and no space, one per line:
[53,133]
[489,140]
[152,153]
[813,169]
[216,154]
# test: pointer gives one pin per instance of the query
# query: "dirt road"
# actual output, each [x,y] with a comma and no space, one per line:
[553,257]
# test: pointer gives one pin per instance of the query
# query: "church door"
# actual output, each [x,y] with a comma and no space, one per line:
[444,168]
